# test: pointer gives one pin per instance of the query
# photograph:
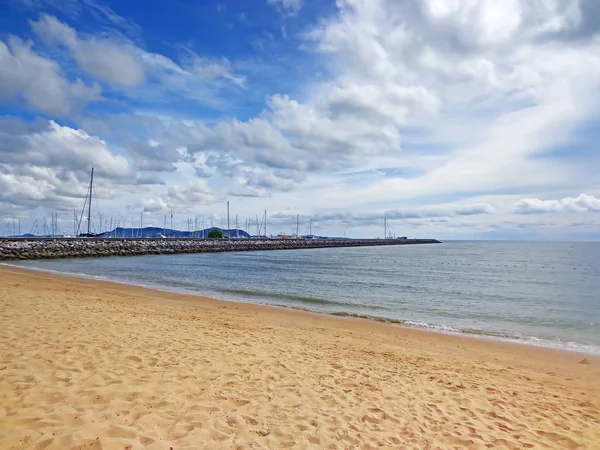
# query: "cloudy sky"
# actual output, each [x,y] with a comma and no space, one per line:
[456,119]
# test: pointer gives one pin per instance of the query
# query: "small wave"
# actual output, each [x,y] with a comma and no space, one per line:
[532,340]
[484,334]
[297,298]
[58,272]
[367,317]
[430,326]
[496,334]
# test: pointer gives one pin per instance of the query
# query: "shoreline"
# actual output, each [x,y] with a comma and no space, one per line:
[93,363]
[529,341]
[192,299]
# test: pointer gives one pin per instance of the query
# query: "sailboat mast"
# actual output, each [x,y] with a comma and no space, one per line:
[228,229]
[90,202]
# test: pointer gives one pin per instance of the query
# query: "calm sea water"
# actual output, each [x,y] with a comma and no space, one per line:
[534,292]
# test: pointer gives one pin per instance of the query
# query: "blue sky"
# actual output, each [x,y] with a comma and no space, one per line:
[453,119]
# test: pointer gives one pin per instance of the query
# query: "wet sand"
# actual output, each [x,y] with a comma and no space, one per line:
[92,364]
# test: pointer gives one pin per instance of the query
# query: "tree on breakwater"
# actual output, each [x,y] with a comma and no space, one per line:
[215,234]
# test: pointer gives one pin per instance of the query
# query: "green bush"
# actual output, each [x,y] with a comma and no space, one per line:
[215,234]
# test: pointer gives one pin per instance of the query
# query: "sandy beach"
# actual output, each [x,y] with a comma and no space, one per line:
[97,365]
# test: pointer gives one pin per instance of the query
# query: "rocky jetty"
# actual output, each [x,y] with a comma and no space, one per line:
[22,249]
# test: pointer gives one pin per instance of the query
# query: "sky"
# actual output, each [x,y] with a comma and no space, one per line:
[453,119]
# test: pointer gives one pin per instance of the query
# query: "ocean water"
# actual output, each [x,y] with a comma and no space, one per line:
[539,293]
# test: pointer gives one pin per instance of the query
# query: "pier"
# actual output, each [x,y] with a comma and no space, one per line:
[12,249]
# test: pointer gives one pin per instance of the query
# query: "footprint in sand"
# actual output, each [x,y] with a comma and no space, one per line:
[144,440]
[250,420]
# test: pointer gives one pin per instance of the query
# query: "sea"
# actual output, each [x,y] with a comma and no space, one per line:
[537,293]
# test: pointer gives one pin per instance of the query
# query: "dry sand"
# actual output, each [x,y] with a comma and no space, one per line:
[88,364]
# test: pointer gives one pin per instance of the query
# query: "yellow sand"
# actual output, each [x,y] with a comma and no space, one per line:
[87,364]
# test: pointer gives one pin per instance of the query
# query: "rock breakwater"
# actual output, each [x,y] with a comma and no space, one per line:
[22,249]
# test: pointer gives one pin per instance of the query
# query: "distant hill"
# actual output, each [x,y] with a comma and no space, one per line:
[155,232]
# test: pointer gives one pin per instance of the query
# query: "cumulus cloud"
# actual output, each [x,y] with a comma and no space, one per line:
[45,164]
[50,145]
[489,97]
[26,74]
[112,62]
[117,61]
[181,197]
[259,182]
[229,148]
[268,180]
[582,203]
[287,139]
[152,156]
[149,179]
[456,54]
[245,190]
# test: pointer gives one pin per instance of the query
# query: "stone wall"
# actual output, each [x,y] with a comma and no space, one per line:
[21,249]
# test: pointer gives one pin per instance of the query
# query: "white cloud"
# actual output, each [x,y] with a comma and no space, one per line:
[421,221]
[149,179]
[196,78]
[288,7]
[514,94]
[39,81]
[74,9]
[432,211]
[105,14]
[180,197]
[492,103]
[141,74]
[209,69]
[51,145]
[582,203]
[259,182]
[46,164]
[115,63]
